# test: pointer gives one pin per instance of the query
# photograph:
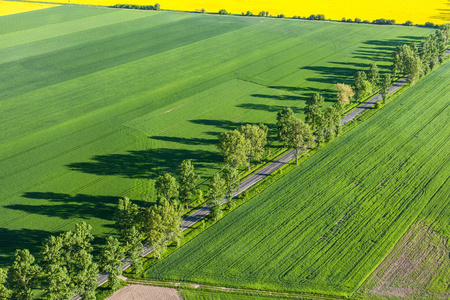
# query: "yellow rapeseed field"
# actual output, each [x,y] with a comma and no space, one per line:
[9,7]
[436,11]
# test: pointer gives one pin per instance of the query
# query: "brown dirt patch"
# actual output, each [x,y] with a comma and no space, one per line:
[418,267]
[145,292]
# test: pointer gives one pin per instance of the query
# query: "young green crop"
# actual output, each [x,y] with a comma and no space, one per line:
[95,102]
[325,226]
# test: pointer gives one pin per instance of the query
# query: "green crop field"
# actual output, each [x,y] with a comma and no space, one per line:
[96,102]
[325,226]
[209,295]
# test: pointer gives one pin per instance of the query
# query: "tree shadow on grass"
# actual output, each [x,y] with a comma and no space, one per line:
[280,97]
[185,141]
[145,163]
[269,108]
[12,239]
[331,75]
[66,206]
[308,91]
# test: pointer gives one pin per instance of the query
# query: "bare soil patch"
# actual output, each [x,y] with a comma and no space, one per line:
[417,268]
[145,292]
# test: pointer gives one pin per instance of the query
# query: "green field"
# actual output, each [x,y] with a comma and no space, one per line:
[325,226]
[96,101]
[209,295]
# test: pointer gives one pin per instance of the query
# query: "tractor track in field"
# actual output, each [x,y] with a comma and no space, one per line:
[261,174]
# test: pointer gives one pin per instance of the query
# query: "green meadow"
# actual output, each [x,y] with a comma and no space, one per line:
[325,226]
[95,103]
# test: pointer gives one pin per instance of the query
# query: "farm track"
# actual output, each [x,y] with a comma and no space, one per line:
[260,175]
[232,290]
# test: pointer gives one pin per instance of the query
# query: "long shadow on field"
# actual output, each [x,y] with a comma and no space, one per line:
[223,125]
[381,50]
[145,163]
[270,108]
[185,141]
[65,206]
[10,240]
[331,75]
[328,94]
[280,97]
[372,51]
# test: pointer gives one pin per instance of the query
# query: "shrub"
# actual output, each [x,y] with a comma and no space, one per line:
[249,13]
[429,24]
[281,16]
[408,23]
[312,17]
[384,21]
[357,20]
[262,14]
[223,12]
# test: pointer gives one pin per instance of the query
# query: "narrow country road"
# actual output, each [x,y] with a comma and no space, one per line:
[202,212]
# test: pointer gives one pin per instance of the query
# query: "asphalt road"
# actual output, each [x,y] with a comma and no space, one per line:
[202,212]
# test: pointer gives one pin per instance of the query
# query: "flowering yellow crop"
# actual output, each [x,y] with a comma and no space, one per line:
[436,11]
[419,12]
[9,7]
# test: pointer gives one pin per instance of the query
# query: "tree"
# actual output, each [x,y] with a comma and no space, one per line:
[24,275]
[333,117]
[385,84]
[360,84]
[126,215]
[111,261]
[5,293]
[162,224]
[186,179]
[322,126]
[300,137]
[401,56]
[70,254]
[58,284]
[374,75]
[414,67]
[135,249]
[312,109]
[157,6]
[284,118]
[231,182]
[223,12]
[256,135]
[234,147]
[166,188]
[344,93]
[216,192]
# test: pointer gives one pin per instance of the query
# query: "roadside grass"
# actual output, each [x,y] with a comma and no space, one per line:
[325,226]
[96,102]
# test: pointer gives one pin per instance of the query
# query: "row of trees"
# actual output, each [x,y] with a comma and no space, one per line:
[67,267]
[419,59]
[157,6]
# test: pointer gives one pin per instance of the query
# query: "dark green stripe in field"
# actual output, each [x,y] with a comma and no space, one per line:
[94,102]
[326,225]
